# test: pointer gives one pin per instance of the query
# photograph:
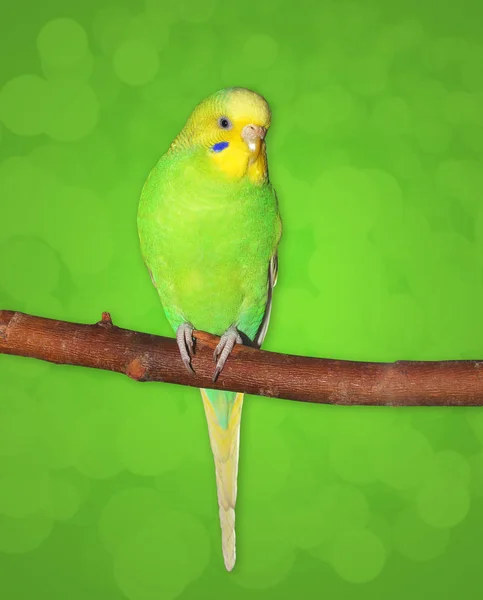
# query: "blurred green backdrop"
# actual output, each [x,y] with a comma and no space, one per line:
[107,487]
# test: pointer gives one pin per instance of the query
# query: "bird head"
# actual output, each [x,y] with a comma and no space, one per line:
[230,128]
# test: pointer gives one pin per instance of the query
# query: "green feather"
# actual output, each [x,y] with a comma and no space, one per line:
[207,241]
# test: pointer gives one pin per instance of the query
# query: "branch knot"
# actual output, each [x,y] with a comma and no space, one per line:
[106,321]
[137,370]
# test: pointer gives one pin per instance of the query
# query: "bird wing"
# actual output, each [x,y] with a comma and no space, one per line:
[272,281]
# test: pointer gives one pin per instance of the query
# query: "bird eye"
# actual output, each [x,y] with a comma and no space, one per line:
[224,123]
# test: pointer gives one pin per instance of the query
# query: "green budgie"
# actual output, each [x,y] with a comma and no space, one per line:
[209,228]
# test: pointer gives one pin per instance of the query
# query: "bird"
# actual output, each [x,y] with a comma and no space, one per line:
[209,229]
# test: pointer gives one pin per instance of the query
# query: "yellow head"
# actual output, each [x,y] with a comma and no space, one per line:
[230,125]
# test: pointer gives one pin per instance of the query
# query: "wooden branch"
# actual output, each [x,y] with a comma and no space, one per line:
[146,357]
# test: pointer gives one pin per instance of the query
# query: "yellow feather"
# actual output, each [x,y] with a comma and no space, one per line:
[224,445]
[237,161]
[243,107]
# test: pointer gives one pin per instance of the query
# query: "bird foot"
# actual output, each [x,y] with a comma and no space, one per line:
[185,340]
[224,348]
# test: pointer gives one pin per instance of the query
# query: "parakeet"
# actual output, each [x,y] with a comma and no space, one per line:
[209,229]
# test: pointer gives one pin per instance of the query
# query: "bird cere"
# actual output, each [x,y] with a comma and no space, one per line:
[209,228]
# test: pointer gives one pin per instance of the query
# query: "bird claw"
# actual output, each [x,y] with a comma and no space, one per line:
[223,349]
[184,339]
[188,365]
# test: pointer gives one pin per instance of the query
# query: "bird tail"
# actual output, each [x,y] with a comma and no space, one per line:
[223,413]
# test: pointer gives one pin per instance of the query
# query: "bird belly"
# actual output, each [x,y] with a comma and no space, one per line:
[211,281]
[208,293]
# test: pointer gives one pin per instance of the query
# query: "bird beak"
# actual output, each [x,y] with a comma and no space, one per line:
[253,136]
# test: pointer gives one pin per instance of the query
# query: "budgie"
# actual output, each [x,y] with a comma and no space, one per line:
[209,229]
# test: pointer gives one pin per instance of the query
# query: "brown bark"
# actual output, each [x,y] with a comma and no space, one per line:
[146,357]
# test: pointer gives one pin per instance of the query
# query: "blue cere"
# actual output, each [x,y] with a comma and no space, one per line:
[220,146]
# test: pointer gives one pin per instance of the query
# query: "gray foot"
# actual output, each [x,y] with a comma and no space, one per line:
[184,337]
[225,346]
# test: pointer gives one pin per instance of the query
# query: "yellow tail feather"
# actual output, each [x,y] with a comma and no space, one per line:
[225,445]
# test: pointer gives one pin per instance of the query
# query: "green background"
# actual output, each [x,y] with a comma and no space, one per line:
[107,487]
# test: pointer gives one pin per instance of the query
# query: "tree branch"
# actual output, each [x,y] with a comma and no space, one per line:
[146,357]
